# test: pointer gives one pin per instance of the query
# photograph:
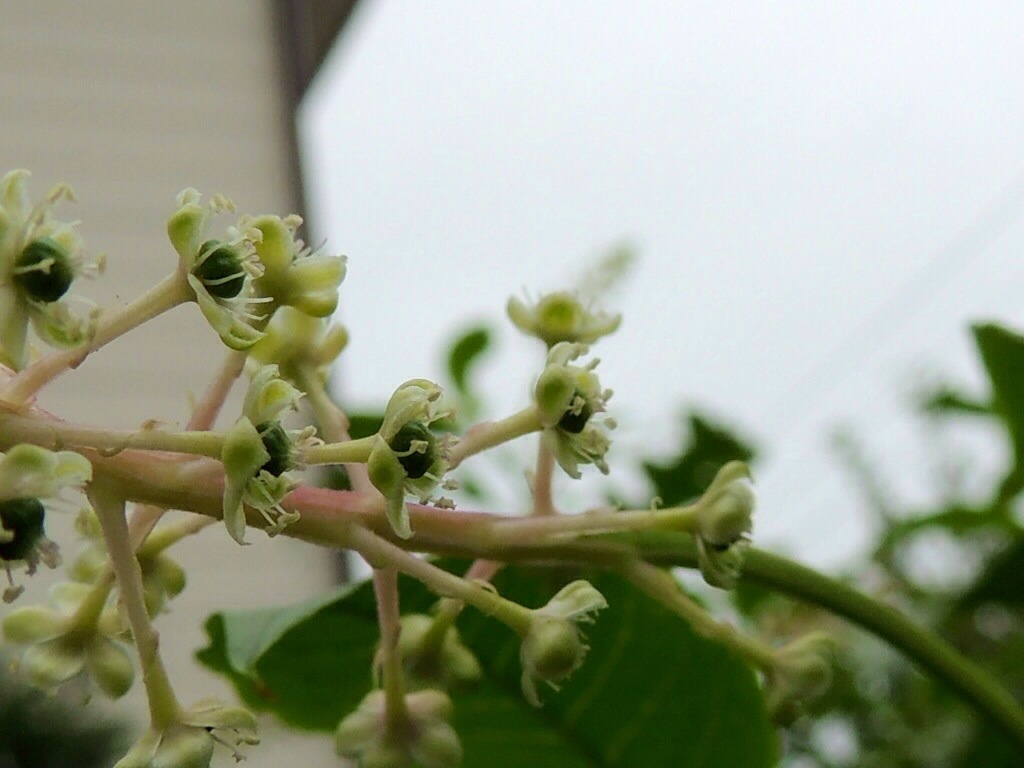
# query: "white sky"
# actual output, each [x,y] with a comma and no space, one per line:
[822,194]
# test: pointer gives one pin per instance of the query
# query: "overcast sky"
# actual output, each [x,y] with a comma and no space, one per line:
[822,196]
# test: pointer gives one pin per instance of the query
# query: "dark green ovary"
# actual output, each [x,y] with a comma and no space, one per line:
[572,422]
[44,271]
[24,518]
[220,271]
[278,445]
[415,464]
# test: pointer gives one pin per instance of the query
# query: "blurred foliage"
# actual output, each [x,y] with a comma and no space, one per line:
[46,732]
[882,712]
[617,711]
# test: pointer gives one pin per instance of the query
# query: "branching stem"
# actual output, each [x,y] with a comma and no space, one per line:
[165,295]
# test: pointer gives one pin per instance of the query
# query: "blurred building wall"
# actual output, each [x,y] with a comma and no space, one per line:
[131,102]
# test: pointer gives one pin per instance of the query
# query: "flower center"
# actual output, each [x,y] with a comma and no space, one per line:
[23,518]
[559,315]
[220,270]
[44,271]
[278,445]
[574,421]
[413,462]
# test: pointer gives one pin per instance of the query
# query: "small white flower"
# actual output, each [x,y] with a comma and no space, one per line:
[724,522]
[425,740]
[28,475]
[569,398]
[295,275]
[258,452]
[39,259]
[407,458]
[561,316]
[220,272]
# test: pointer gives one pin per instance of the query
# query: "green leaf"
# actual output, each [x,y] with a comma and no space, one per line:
[708,448]
[947,400]
[464,353]
[650,693]
[1002,352]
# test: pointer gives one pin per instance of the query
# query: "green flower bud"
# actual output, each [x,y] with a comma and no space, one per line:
[724,523]
[31,624]
[553,646]
[219,268]
[44,271]
[110,666]
[426,740]
[430,661]
[552,650]
[801,674]
[725,518]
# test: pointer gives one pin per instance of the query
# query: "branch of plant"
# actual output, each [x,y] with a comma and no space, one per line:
[110,508]
[385,589]
[164,296]
[488,434]
[350,519]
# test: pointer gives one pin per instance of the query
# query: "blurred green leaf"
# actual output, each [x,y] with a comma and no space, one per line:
[45,732]
[948,400]
[464,353]
[1002,353]
[1001,581]
[708,446]
[651,692]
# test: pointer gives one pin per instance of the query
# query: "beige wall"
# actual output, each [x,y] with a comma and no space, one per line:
[130,102]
